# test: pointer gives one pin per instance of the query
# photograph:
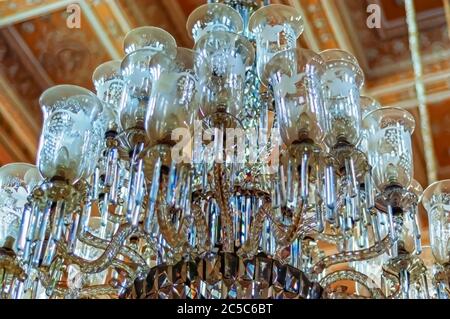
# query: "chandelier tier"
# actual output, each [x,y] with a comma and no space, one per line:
[247,167]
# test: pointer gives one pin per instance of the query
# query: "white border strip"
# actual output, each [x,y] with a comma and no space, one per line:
[118,14]
[86,9]
[38,11]
[308,33]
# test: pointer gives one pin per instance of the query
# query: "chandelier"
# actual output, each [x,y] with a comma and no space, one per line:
[248,167]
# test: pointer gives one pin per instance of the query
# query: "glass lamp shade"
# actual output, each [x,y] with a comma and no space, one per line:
[295,77]
[341,85]
[407,234]
[368,105]
[152,38]
[436,200]
[221,61]
[109,85]
[276,28]
[17,180]
[389,143]
[173,103]
[68,136]
[213,17]
[139,73]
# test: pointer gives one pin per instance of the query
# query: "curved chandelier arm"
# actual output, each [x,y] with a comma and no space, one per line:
[222,189]
[250,247]
[352,275]
[395,278]
[157,246]
[58,291]
[86,292]
[104,261]
[11,266]
[89,239]
[203,242]
[350,256]
[287,234]
[175,237]
[329,238]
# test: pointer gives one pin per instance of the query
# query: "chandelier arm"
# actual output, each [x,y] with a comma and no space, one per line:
[250,246]
[396,279]
[168,231]
[97,266]
[286,237]
[104,261]
[86,292]
[155,245]
[10,265]
[116,218]
[328,238]
[223,201]
[63,291]
[353,275]
[164,213]
[351,256]
[129,271]
[89,239]
[340,200]
[201,225]
[392,269]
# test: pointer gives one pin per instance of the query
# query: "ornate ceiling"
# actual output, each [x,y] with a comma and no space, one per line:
[38,49]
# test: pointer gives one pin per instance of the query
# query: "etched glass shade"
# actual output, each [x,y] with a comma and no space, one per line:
[152,38]
[408,234]
[276,28]
[17,180]
[68,133]
[368,105]
[220,63]
[389,145]
[138,73]
[213,17]
[295,78]
[341,84]
[109,85]
[173,103]
[436,200]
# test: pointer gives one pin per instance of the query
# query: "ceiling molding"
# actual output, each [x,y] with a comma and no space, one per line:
[100,31]
[27,57]
[34,12]
[9,151]
[431,99]
[178,19]
[120,16]
[16,114]
[408,83]
[337,25]
[308,34]
[352,34]
[135,12]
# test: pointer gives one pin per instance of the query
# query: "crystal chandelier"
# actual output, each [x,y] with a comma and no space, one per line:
[247,167]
